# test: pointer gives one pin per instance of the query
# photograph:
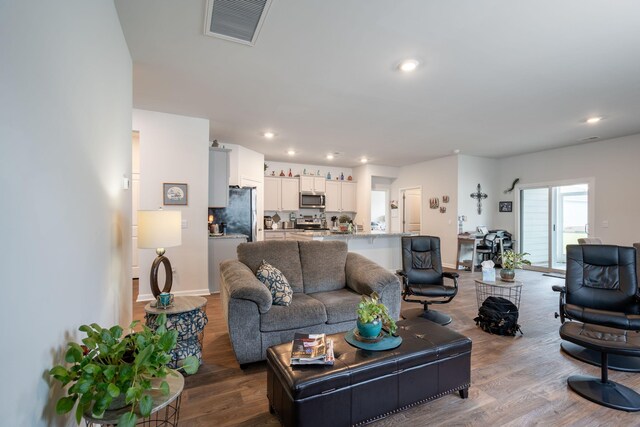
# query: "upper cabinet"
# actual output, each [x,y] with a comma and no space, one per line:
[281,194]
[315,184]
[218,177]
[340,196]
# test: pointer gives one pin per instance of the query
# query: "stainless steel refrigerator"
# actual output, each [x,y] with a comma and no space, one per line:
[240,214]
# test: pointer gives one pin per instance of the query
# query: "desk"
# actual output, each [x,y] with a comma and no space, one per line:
[188,316]
[469,243]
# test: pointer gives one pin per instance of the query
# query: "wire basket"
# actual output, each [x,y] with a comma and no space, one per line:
[511,292]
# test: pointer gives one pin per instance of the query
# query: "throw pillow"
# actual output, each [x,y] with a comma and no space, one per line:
[275,281]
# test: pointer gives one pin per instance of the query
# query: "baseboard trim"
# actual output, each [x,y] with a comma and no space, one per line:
[192,292]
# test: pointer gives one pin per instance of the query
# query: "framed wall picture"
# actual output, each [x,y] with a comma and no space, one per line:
[505,206]
[174,194]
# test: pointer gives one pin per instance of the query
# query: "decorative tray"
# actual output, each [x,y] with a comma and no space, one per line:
[387,342]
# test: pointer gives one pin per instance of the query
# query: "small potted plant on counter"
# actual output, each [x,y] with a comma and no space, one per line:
[372,316]
[111,370]
[510,261]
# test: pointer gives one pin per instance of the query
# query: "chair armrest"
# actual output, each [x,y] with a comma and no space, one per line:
[365,276]
[559,288]
[450,275]
[241,283]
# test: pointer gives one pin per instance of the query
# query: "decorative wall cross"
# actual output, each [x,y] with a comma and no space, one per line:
[479,195]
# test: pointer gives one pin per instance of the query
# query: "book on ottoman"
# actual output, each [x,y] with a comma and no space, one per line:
[311,349]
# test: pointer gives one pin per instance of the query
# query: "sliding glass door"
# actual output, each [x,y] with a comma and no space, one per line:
[550,218]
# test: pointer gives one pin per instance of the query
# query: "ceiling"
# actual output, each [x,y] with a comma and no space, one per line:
[496,78]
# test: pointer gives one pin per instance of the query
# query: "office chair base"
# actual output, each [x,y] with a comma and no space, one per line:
[617,362]
[432,315]
[609,394]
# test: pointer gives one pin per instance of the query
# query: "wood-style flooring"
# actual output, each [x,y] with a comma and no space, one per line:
[515,381]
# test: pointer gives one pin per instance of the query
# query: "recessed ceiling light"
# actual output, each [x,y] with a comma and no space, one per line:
[456,151]
[330,156]
[593,120]
[408,65]
[269,135]
[363,160]
[291,152]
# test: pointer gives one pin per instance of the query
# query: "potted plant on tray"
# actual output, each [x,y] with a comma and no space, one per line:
[510,261]
[372,316]
[111,370]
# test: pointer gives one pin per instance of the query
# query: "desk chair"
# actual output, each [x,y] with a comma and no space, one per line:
[422,277]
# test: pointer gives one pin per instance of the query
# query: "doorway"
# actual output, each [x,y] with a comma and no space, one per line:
[411,199]
[379,215]
[551,217]
[135,202]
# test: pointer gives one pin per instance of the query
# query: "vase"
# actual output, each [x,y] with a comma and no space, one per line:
[118,402]
[369,329]
[508,274]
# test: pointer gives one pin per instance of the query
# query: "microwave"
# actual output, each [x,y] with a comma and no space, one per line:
[312,200]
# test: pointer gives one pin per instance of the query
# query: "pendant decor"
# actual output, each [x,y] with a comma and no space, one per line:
[479,195]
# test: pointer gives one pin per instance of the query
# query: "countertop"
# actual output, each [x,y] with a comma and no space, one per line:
[359,235]
[229,236]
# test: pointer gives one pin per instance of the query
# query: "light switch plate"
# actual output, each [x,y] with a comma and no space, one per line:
[185,223]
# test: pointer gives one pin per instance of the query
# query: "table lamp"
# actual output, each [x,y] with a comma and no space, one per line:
[159,229]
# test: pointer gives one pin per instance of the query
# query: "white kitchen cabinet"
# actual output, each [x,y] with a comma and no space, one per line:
[313,184]
[281,194]
[218,177]
[275,235]
[340,196]
[220,249]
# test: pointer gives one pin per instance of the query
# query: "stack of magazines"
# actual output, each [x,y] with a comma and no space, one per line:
[311,349]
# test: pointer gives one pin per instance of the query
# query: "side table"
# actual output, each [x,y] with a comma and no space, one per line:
[188,316]
[508,290]
[166,408]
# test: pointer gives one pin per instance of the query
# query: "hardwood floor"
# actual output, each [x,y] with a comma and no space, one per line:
[515,381]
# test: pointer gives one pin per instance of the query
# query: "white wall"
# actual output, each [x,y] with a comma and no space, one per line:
[471,172]
[437,178]
[65,145]
[176,149]
[614,164]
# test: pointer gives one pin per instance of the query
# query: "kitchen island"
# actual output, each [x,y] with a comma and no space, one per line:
[382,248]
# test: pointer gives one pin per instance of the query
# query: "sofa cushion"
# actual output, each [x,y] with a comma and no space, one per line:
[276,282]
[283,255]
[302,312]
[341,305]
[323,265]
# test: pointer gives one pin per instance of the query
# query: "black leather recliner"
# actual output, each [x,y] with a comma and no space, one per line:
[423,277]
[601,288]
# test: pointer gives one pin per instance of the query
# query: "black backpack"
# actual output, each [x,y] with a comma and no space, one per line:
[498,316]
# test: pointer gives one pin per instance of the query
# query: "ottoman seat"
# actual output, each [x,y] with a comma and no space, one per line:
[363,386]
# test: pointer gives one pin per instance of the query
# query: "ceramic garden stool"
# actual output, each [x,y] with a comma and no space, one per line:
[365,385]
[188,316]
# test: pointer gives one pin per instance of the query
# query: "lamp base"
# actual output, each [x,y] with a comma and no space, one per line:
[153,277]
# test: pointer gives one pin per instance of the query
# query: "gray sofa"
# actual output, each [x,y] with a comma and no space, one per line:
[327,282]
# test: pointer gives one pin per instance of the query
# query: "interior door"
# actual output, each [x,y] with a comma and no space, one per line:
[412,210]
[135,203]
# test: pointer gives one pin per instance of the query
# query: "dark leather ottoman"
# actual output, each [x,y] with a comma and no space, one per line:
[363,386]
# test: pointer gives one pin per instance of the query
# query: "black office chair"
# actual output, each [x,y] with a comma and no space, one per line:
[422,276]
[601,288]
[488,248]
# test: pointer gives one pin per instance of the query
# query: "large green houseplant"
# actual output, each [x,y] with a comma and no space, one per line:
[372,316]
[111,368]
[511,260]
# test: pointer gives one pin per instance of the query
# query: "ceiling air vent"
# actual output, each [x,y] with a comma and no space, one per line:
[591,138]
[236,20]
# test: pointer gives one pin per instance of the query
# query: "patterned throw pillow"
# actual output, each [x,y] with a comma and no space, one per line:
[273,278]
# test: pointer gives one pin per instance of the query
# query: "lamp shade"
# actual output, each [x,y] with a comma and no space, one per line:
[159,229]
